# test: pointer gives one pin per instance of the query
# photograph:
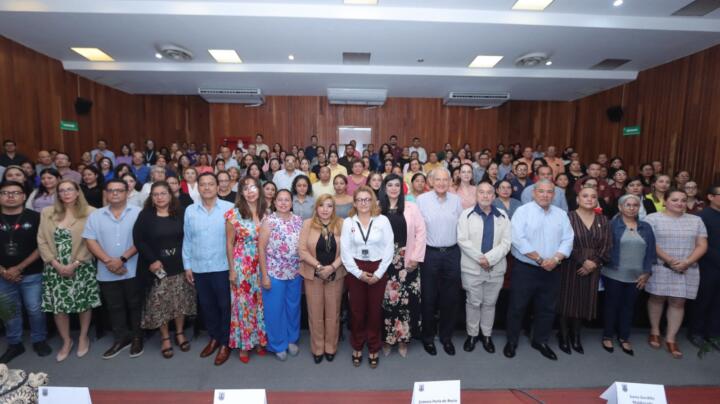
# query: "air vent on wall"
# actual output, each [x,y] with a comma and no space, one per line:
[356,58]
[251,96]
[478,100]
[356,96]
[175,52]
[610,64]
[698,8]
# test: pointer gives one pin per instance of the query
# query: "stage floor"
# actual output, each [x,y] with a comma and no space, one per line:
[478,370]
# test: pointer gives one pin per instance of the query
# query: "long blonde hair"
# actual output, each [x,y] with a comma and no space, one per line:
[82,209]
[335,224]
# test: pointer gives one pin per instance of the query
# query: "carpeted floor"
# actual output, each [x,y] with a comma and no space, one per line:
[477,370]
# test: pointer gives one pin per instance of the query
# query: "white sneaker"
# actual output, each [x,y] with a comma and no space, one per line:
[293,349]
[282,356]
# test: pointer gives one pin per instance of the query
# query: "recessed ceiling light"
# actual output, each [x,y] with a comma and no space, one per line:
[548,63]
[618,3]
[93,54]
[158,55]
[291,56]
[225,55]
[485,61]
[361,2]
[531,5]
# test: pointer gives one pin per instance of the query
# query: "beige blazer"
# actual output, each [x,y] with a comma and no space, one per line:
[46,238]
[309,237]
[469,236]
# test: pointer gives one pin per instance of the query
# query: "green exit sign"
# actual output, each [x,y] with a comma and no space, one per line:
[631,130]
[69,125]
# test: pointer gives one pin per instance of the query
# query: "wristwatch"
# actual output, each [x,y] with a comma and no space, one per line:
[539,261]
[123,259]
[557,261]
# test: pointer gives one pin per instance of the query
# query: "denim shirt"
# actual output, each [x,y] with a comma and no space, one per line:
[617,228]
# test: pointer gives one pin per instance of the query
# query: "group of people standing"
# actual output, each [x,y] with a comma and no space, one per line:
[242,258]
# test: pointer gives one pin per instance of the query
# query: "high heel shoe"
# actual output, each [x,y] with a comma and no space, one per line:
[563,344]
[61,356]
[576,344]
[628,351]
[610,348]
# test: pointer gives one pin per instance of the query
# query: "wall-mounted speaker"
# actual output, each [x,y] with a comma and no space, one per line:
[82,106]
[615,113]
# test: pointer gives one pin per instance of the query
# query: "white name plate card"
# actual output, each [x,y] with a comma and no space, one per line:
[240,396]
[634,393]
[64,395]
[437,392]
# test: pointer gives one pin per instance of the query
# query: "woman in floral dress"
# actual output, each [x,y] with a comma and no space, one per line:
[282,285]
[401,304]
[69,284]
[247,324]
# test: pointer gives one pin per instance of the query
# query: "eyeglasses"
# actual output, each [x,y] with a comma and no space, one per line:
[250,188]
[11,193]
[115,191]
[66,191]
[159,194]
[363,200]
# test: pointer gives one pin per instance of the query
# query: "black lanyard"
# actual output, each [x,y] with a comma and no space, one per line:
[364,236]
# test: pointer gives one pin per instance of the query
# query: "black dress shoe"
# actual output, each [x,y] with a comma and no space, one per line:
[12,352]
[317,358]
[469,344]
[449,348]
[329,357]
[563,344]
[41,348]
[487,343]
[545,350]
[509,350]
[576,344]
[696,340]
[430,348]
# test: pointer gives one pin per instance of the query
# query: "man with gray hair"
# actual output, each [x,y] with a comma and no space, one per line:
[440,277]
[483,233]
[541,238]
[157,173]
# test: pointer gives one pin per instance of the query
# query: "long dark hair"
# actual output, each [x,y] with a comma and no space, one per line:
[385,200]
[174,207]
[242,205]
[41,188]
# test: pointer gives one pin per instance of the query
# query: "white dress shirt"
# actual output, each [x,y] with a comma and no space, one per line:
[380,244]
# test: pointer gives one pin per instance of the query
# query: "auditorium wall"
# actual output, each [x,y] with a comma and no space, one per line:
[675,104]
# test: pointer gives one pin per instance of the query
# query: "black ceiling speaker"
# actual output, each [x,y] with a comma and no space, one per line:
[83,106]
[615,113]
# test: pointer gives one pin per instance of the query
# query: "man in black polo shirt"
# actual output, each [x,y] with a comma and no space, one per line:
[11,157]
[21,271]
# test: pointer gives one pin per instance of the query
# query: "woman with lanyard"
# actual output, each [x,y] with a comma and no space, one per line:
[367,247]
[150,154]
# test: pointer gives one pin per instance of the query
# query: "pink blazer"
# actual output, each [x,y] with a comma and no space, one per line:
[415,247]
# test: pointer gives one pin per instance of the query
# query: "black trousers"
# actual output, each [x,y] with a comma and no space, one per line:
[124,307]
[705,311]
[440,288]
[530,283]
[619,308]
[213,289]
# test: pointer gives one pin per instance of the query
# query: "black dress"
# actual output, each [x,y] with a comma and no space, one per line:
[401,304]
[93,196]
[161,238]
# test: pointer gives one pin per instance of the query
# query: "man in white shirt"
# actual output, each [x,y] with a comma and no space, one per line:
[283,179]
[422,153]
[483,233]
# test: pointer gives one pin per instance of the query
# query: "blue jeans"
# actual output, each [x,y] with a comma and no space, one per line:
[27,293]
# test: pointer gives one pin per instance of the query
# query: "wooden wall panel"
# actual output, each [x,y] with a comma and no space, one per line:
[676,105]
[36,93]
